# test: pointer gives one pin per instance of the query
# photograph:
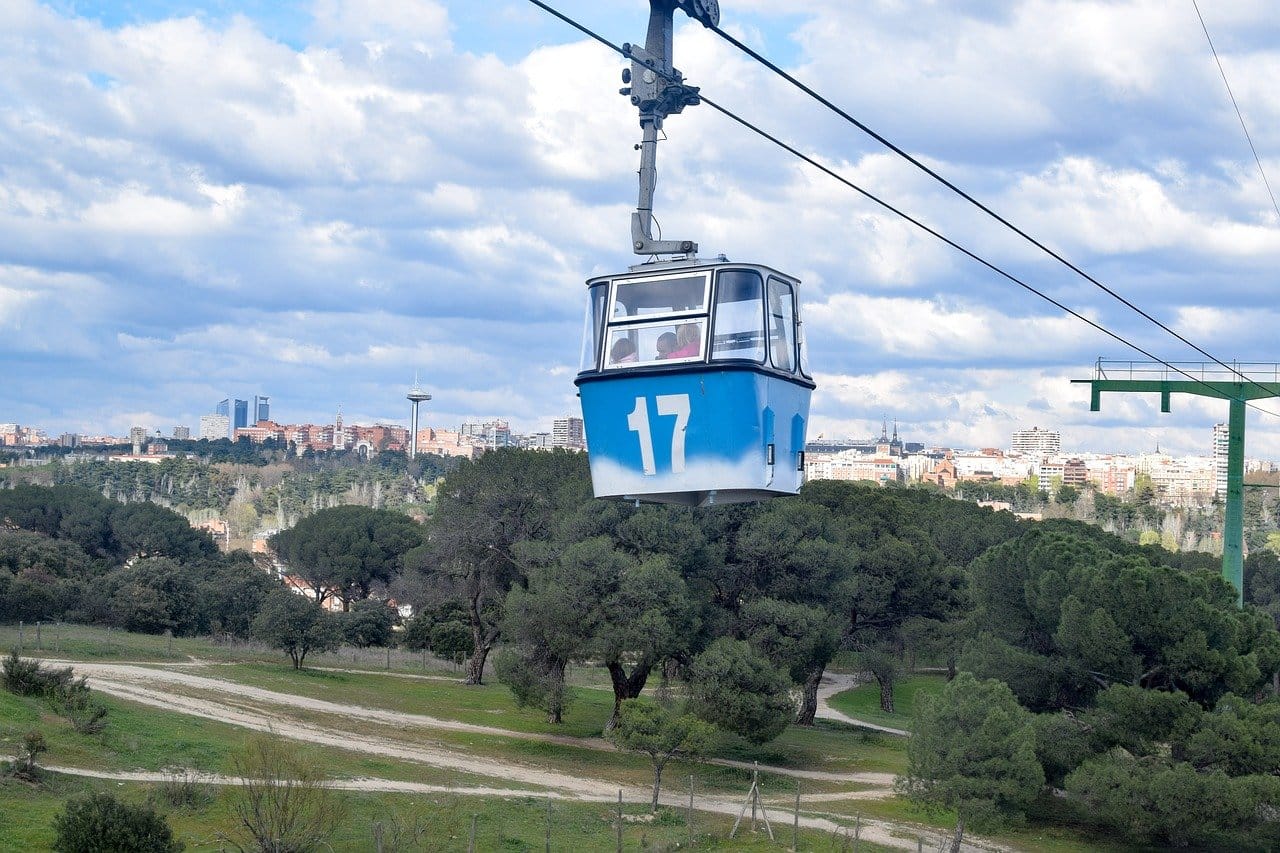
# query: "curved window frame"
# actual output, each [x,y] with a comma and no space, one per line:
[791,324]
[624,281]
[701,319]
[594,328]
[761,316]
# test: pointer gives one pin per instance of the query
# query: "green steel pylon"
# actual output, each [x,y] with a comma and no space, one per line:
[1210,380]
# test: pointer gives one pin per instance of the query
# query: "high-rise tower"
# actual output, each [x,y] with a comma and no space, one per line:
[416,395]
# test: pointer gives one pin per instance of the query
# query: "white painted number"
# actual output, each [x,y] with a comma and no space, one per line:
[638,422]
[678,405]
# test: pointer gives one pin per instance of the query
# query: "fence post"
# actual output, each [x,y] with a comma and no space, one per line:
[619,820]
[21,635]
[39,644]
[471,840]
[57,638]
[168,635]
[795,826]
[548,823]
[857,831]
[689,816]
[388,657]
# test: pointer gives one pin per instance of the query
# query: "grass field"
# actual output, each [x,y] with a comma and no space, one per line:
[863,702]
[147,738]
[444,822]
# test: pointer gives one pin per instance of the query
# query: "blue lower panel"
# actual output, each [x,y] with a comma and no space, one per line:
[695,438]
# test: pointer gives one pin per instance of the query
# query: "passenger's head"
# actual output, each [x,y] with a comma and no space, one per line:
[687,334]
[622,348]
[666,343]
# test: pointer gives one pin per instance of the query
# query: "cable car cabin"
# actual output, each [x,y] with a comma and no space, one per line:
[694,384]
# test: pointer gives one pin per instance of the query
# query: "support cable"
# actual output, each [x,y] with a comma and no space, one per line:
[758,57]
[1239,115]
[908,218]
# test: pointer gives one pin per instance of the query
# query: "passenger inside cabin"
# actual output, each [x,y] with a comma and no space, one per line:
[688,341]
[666,343]
[623,351]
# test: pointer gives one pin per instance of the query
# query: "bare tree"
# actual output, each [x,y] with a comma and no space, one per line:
[282,804]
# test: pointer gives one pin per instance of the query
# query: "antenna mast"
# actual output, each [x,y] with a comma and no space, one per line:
[658,90]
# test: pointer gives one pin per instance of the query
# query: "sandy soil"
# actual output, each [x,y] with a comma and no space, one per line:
[259,709]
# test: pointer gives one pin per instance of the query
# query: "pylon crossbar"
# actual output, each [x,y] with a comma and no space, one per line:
[1242,382]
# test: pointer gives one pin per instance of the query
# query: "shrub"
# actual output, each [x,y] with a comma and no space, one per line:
[101,822]
[24,766]
[183,788]
[282,803]
[73,700]
[369,623]
[28,677]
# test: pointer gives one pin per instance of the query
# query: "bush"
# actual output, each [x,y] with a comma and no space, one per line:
[449,639]
[282,803]
[28,677]
[183,788]
[369,623]
[101,822]
[68,695]
[74,701]
[24,766]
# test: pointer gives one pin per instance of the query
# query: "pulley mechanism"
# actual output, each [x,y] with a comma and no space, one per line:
[658,90]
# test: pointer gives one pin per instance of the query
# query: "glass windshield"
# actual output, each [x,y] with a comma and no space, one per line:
[739,317]
[782,325]
[654,343]
[594,328]
[647,297]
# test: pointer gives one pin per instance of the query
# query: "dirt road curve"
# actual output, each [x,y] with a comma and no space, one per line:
[838,683]
[259,709]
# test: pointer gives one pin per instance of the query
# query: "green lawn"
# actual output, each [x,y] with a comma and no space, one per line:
[863,702]
[830,747]
[138,737]
[27,811]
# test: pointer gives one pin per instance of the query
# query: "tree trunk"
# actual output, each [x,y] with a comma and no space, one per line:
[951,667]
[657,784]
[625,687]
[555,707]
[480,644]
[886,693]
[959,835]
[809,699]
[475,663]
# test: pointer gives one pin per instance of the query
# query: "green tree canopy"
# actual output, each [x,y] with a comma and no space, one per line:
[738,689]
[295,625]
[972,749]
[660,733]
[347,548]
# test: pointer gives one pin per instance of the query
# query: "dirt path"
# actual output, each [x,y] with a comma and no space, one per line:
[874,831]
[147,685]
[243,705]
[838,683]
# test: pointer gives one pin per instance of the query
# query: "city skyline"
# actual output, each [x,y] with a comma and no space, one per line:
[288,173]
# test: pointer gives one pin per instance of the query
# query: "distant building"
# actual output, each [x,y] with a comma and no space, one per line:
[1036,442]
[568,432]
[137,437]
[261,410]
[537,441]
[489,435]
[242,414]
[214,427]
[69,440]
[1221,445]
[181,433]
[448,443]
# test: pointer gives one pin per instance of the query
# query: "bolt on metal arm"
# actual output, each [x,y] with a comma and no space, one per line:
[658,90]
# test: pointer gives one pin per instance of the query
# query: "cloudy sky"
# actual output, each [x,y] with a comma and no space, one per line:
[314,200]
